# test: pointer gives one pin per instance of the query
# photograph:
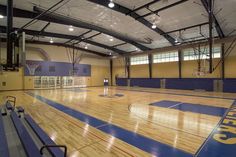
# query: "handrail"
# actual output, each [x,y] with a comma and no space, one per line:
[53,146]
[9,100]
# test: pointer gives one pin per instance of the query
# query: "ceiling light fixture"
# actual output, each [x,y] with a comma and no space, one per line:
[111,39]
[176,40]
[154,26]
[71,28]
[1,16]
[111,4]
[51,41]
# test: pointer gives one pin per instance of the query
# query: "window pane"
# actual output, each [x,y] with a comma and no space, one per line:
[139,60]
[165,57]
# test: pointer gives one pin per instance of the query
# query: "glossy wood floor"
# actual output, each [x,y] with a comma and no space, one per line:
[182,130]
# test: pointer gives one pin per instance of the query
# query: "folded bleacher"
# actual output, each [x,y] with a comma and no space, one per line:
[21,136]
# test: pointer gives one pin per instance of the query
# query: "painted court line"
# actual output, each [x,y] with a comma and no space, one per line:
[175,105]
[176,94]
[222,140]
[139,141]
[194,108]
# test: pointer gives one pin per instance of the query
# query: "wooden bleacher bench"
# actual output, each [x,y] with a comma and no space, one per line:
[20,109]
[4,152]
[3,112]
[45,139]
[27,141]
[9,106]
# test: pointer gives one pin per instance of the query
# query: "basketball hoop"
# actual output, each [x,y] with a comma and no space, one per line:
[200,72]
[32,66]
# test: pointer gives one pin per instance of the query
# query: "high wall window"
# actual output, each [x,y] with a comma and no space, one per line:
[165,57]
[139,60]
[190,54]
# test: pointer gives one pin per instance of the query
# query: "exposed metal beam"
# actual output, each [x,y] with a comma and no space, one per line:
[127,66]
[161,9]
[64,45]
[150,62]
[223,61]
[43,29]
[189,27]
[64,36]
[40,15]
[9,34]
[69,46]
[210,9]
[117,45]
[180,63]
[105,47]
[144,6]
[78,37]
[124,10]
[111,71]
[70,21]
[217,25]
[55,18]
[81,40]
[187,45]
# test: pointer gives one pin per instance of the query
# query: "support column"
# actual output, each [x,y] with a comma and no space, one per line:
[111,71]
[127,66]
[180,63]
[150,65]
[9,33]
[210,12]
[223,61]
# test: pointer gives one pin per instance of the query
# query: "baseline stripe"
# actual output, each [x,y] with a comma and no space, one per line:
[222,140]
[144,143]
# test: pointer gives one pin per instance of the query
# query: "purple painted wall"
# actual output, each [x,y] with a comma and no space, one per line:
[46,68]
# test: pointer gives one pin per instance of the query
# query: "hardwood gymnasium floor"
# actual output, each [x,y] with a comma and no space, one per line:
[120,121]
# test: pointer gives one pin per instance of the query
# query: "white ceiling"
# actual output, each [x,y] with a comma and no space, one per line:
[180,16]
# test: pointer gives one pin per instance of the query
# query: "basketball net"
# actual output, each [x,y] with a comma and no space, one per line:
[202,70]
[74,56]
[31,68]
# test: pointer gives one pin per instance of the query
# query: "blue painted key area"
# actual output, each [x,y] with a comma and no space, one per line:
[222,141]
[195,108]
[165,103]
[144,143]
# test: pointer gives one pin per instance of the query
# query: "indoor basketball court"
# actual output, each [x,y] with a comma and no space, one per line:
[122,78]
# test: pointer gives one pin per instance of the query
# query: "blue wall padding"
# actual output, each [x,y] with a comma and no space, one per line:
[176,83]
[190,83]
[145,82]
[229,85]
[121,81]
[60,69]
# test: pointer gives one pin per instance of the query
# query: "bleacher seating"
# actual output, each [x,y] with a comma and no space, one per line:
[26,134]
[45,139]
[27,141]
[3,142]
[9,106]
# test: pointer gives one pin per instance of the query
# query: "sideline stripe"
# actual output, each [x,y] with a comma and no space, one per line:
[202,96]
[227,144]
[144,143]
[195,108]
